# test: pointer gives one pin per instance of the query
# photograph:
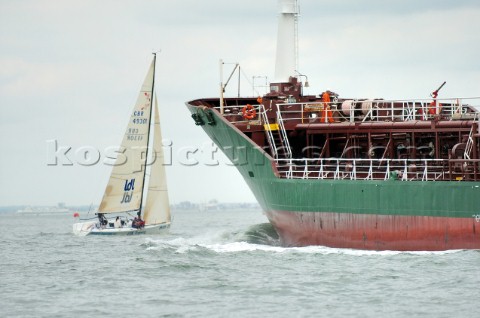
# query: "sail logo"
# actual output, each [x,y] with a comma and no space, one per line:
[129,185]
[127,197]
[128,188]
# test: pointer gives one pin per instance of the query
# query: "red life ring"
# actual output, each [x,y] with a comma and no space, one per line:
[249,112]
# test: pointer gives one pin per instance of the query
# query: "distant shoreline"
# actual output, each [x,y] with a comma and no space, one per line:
[185,205]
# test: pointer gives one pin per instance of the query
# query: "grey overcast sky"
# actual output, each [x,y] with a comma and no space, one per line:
[70,71]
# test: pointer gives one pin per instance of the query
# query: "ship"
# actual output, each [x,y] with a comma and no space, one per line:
[361,173]
[60,208]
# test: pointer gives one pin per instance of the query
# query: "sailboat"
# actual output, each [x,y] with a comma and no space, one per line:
[124,195]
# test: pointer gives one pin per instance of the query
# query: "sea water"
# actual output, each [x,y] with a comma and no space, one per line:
[220,264]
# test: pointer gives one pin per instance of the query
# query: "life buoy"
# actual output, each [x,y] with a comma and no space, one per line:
[249,112]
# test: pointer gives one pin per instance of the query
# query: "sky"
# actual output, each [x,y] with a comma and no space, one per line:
[70,72]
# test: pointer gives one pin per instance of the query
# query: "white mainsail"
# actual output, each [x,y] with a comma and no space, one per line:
[157,208]
[124,188]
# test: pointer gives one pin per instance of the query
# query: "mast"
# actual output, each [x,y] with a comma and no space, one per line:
[222,88]
[148,133]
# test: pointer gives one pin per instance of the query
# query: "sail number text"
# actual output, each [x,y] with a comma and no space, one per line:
[132,134]
[139,121]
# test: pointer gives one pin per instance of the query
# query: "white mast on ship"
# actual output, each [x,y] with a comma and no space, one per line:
[287,41]
[287,47]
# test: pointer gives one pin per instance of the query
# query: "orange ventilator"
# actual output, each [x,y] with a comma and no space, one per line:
[432,108]
[249,112]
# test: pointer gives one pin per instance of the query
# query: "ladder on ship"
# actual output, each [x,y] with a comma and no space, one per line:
[469,146]
[276,136]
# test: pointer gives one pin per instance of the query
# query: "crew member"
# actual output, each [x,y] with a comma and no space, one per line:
[135,223]
[118,223]
[102,220]
[327,112]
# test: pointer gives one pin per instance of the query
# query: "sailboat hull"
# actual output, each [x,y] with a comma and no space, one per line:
[89,228]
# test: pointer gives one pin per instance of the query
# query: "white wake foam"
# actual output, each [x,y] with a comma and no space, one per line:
[216,244]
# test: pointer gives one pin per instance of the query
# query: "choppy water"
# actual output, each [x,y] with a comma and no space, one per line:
[220,264]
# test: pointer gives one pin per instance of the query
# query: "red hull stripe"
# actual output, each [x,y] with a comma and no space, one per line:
[375,232]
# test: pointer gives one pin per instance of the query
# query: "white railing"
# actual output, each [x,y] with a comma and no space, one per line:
[379,169]
[270,138]
[381,110]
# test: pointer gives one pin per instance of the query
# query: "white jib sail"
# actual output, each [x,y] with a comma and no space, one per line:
[157,208]
[124,188]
